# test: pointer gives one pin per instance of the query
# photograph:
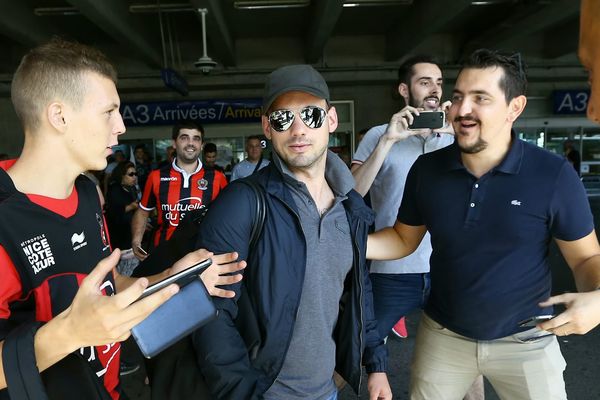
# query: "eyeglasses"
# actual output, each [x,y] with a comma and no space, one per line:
[312,116]
[132,173]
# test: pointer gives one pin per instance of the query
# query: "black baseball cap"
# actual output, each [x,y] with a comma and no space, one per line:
[302,77]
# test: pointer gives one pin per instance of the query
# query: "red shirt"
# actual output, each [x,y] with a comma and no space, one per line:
[174,192]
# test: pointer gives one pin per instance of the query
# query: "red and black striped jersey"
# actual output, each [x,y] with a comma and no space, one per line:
[47,247]
[174,192]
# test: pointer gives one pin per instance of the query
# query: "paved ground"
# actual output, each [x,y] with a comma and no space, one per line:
[581,352]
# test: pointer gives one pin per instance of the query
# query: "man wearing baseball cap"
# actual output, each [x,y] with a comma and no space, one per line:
[306,285]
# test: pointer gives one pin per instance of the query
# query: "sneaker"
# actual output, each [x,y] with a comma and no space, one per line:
[400,329]
[127,368]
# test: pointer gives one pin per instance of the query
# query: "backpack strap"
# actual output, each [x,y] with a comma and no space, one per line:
[20,369]
[260,160]
[260,212]
[246,320]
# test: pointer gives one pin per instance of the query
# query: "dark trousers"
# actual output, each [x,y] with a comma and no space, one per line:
[397,295]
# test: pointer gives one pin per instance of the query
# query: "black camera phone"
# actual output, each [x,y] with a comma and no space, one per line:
[428,119]
[535,320]
[181,278]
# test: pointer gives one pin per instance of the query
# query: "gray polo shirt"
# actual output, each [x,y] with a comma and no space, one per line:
[388,187]
[246,168]
[307,371]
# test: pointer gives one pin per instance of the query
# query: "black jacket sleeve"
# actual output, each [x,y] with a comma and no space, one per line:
[221,352]
[375,353]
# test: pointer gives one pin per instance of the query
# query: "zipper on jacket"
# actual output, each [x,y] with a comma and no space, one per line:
[360,298]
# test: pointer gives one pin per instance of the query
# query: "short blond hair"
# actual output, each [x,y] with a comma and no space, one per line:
[54,71]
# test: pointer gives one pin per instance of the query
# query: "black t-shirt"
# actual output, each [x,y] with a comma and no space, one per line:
[575,159]
[117,219]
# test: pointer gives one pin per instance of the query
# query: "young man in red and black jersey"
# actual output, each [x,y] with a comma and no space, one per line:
[177,189]
[63,311]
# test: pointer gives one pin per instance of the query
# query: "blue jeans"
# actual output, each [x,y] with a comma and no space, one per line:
[396,295]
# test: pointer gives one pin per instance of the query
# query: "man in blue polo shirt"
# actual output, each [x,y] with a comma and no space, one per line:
[491,203]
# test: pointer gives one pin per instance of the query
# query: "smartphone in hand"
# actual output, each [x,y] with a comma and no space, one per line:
[181,278]
[428,119]
[144,252]
[179,316]
[535,320]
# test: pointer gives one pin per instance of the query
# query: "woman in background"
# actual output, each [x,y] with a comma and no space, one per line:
[121,203]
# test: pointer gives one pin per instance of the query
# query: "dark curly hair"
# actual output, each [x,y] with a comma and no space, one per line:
[407,70]
[120,170]
[187,124]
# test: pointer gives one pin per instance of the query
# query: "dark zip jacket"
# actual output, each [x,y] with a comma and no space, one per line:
[240,357]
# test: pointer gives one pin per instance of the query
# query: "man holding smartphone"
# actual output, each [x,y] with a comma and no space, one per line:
[492,203]
[380,166]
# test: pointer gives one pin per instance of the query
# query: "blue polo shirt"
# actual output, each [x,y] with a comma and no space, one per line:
[490,236]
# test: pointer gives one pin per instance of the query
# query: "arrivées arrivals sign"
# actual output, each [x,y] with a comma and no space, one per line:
[203,111]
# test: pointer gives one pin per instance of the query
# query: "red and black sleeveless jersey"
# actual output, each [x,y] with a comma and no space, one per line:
[174,192]
[47,247]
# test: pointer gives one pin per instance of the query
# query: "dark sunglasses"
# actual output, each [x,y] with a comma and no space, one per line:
[132,174]
[312,116]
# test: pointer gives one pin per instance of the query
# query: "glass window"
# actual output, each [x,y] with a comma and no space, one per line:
[160,149]
[128,148]
[534,136]
[230,150]
[555,137]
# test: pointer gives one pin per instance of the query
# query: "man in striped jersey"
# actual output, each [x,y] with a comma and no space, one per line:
[178,188]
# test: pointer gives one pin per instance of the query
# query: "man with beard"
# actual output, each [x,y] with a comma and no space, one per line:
[176,189]
[491,203]
[380,166]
